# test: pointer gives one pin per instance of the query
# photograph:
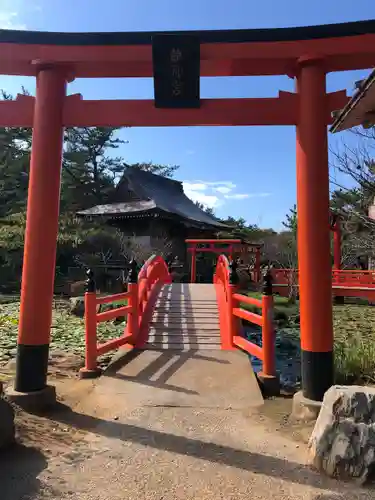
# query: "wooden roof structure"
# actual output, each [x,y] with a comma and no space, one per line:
[144,194]
[360,109]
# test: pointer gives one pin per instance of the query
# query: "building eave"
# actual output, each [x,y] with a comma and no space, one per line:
[360,110]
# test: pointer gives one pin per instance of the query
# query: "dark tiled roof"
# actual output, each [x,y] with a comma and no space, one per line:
[156,193]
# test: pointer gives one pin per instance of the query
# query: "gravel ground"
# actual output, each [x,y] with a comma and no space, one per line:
[137,435]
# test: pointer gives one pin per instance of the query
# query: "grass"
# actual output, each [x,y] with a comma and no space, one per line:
[285,313]
[67,331]
[354,331]
[354,336]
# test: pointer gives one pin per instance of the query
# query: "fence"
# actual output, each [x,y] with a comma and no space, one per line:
[140,299]
[345,283]
[230,314]
[353,278]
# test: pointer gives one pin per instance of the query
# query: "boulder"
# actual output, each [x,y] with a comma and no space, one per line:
[77,306]
[343,440]
[7,429]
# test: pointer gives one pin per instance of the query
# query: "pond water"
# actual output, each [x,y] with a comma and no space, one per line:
[288,359]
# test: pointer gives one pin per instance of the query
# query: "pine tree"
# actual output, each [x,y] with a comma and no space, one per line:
[15,146]
[290,222]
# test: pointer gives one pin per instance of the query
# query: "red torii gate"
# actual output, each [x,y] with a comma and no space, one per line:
[226,246]
[304,53]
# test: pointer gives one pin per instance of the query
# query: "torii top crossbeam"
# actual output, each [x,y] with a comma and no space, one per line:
[347,46]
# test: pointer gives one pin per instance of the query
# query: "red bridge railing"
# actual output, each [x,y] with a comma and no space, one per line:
[353,278]
[151,278]
[230,314]
[140,299]
[345,282]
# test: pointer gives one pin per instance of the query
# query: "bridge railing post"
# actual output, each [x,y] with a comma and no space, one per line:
[132,326]
[268,376]
[233,326]
[91,367]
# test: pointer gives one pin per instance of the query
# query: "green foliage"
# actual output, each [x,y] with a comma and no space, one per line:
[290,222]
[164,170]
[239,228]
[285,313]
[354,343]
[67,331]
[12,229]
[208,210]
[90,172]
[354,337]
[15,146]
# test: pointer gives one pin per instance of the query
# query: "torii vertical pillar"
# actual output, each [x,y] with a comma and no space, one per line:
[41,231]
[314,253]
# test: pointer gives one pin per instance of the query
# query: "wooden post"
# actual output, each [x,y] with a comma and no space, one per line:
[41,231]
[268,330]
[193,266]
[90,369]
[314,249]
[268,376]
[132,326]
[233,326]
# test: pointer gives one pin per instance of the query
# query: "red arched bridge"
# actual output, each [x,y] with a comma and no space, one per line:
[177,316]
[165,315]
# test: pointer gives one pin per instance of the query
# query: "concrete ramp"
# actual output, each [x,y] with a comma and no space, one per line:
[214,379]
[182,364]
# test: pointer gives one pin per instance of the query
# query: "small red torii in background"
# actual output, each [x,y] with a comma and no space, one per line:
[336,229]
[228,247]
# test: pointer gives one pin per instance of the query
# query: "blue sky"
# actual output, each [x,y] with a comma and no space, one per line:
[240,171]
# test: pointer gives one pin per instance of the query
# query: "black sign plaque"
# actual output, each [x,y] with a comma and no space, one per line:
[176,66]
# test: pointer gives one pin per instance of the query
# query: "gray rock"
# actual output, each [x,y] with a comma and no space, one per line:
[77,306]
[7,430]
[343,440]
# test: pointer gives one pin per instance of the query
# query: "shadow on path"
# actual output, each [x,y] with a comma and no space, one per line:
[212,452]
[19,470]
[178,358]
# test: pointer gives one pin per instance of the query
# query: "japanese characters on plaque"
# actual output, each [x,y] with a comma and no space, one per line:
[177,71]
[176,65]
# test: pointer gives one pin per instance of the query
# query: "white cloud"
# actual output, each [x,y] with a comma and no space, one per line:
[196,192]
[206,199]
[236,196]
[244,196]
[9,20]
[10,13]
[195,186]
[214,194]
[218,184]
[223,189]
